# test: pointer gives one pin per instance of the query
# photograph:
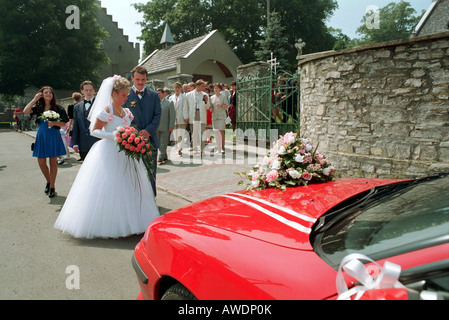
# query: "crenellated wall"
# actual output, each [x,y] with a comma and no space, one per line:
[380,110]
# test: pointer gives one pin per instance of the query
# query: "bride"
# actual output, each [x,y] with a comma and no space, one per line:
[111,197]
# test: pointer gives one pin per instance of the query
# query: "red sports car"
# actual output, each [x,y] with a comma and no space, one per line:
[273,244]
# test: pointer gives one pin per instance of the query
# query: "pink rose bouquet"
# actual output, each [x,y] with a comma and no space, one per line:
[135,146]
[292,161]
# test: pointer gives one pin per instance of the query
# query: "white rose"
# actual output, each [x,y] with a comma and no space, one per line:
[294,174]
[255,183]
[327,171]
[281,150]
[299,158]
[309,147]
[276,165]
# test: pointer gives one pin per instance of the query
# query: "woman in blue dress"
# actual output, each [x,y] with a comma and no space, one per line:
[48,142]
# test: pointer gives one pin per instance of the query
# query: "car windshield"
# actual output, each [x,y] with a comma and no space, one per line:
[403,220]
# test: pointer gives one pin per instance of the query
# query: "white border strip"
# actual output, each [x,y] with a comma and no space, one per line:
[286,210]
[273,215]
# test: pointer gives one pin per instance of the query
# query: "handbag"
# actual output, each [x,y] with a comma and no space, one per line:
[32,146]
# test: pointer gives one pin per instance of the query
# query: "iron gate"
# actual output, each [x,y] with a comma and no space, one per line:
[268,107]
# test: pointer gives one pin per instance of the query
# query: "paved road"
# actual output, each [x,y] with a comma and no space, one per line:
[34,257]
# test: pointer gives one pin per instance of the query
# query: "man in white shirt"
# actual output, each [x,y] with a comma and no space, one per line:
[180,126]
[197,102]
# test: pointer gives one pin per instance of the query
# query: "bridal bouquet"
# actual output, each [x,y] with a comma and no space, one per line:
[135,146]
[50,116]
[292,161]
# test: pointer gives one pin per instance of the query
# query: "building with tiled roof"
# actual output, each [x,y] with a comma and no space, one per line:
[208,57]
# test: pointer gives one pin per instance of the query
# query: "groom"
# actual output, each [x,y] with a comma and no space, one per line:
[145,105]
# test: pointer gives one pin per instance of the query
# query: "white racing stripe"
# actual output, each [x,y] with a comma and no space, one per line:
[281,219]
[286,210]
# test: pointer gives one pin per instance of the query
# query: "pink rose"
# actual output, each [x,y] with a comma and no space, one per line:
[127,146]
[119,140]
[272,176]
[133,136]
[132,148]
[124,143]
[121,129]
[124,136]
[307,176]
[136,140]
[130,140]
[117,135]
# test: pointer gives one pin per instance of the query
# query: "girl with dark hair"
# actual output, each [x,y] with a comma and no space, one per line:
[48,142]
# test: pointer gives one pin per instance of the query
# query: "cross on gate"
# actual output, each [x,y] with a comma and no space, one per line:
[273,63]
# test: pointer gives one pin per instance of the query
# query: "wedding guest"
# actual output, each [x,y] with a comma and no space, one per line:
[77,97]
[232,111]
[111,196]
[166,125]
[82,139]
[189,87]
[219,103]
[16,116]
[48,144]
[180,126]
[209,118]
[195,114]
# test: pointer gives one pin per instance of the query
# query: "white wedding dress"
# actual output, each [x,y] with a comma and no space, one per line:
[111,196]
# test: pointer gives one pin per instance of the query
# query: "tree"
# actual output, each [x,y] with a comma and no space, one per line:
[37,48]
[240,22]
[306,19]
[274,42]
[397,21]
[342,41]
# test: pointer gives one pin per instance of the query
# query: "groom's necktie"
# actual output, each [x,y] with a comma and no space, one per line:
[140,93]
[87,106]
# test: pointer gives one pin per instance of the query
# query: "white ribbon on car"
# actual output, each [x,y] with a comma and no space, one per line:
[352,265]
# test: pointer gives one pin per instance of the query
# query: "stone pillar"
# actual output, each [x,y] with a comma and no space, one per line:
[155,83]
[183,78]
[253,70]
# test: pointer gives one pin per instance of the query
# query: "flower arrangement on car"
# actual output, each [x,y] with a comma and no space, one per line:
[292,161]
[135,146]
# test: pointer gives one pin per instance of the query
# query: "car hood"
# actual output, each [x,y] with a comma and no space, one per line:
[284,218]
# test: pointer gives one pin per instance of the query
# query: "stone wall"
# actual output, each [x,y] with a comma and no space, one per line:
[380,110]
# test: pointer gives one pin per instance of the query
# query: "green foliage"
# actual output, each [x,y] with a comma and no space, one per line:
[397,21]
[240,22]
[274,42]
[36,47]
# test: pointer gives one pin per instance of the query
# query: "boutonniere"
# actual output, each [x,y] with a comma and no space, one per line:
[133,104]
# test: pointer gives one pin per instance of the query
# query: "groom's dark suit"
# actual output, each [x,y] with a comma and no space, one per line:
[81,134]
[147,115]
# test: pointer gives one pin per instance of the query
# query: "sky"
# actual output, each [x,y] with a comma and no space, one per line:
[347,17]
